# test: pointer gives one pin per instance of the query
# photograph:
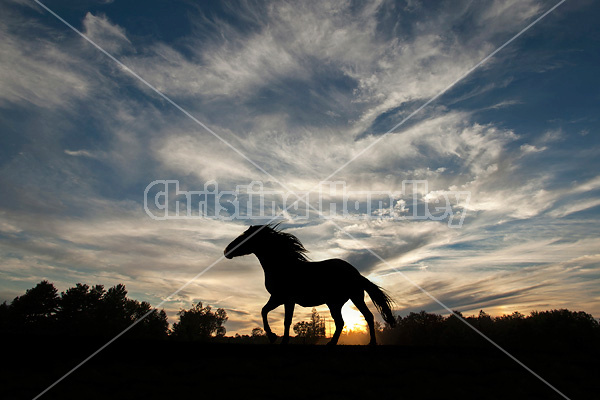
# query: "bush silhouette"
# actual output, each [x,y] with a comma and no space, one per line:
[200,323]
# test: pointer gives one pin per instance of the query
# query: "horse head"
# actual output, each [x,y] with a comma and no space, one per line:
[245,243]
[269,241]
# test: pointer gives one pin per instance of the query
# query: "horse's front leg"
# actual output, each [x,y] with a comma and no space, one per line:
[289,314]
[336,314]
[270,306]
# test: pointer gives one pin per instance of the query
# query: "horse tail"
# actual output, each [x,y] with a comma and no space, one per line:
[383,302]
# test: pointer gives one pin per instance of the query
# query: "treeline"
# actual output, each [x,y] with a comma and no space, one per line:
[552,329]
[93,311]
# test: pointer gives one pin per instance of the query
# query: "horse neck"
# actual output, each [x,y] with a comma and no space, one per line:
[267,260]
[272,262]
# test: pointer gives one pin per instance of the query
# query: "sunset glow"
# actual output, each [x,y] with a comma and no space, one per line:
[353,319]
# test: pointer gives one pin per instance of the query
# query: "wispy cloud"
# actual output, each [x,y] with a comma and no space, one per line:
[110,37]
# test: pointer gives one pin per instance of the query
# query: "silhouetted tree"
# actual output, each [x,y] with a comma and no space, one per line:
[4,317]
[420,328]
[311,330]
[117,312]
[81,311]
[510,329]
[154,325]
[562,328]
[258,332]
[199,323]
[113,312]
[37,308]
[455,332]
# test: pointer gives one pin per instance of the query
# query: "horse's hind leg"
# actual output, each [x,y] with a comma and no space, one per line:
[359,302]
[336,314]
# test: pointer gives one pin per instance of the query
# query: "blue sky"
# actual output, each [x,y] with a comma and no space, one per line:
[300,89]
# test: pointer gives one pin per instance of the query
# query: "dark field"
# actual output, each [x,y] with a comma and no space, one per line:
[167,369]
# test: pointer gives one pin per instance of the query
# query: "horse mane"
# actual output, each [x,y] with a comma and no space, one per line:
[284,243]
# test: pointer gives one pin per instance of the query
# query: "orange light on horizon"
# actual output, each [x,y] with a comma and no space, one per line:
[353,319]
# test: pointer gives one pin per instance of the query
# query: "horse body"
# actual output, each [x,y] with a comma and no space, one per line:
[292,279]
[308,283]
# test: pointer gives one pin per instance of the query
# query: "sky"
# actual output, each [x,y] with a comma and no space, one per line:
[291,91]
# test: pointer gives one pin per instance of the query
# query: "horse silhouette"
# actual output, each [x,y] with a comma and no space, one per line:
[292,279]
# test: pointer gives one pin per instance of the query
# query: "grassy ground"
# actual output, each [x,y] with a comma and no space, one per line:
[165,370]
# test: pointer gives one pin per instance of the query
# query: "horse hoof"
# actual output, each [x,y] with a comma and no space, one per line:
[331,343]
[272,337]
